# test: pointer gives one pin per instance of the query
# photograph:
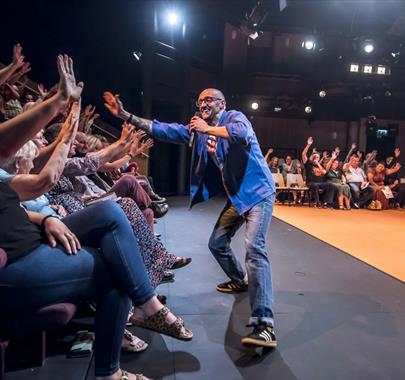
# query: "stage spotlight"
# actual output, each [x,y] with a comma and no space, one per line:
[308,109]
[172,18]
[322,93]
[387,93]
[137,55]
[368,46]
[381,70]
[367,69]
[354,68]
[309,44]
[255,105]
[277,109]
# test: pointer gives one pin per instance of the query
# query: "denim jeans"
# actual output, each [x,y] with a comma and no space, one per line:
[361,197]
[108,268]
[257,262]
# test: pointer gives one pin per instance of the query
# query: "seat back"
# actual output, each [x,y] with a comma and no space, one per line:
[292,180]
[300,181]
[278,179]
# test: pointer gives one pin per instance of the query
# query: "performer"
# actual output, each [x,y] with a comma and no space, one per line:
[226,154]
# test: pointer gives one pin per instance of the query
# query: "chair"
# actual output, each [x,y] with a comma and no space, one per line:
[295,183]
[45,318]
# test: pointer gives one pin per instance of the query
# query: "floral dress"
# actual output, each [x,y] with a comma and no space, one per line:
[155,256]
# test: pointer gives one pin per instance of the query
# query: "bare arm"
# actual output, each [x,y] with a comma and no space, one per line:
[17,131]
[394,169]
[304,154]
[31,186]
[115,106]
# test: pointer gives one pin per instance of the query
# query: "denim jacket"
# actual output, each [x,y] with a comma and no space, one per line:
[246,177]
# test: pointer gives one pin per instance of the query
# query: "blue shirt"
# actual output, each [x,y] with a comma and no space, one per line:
[40,204]
[246,177]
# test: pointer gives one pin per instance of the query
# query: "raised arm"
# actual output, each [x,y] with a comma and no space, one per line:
[304,154]
[115,106]
[18,61]
[330,162]
[31,186]
[15,132]
[267,156]
[394,169]
[349,154]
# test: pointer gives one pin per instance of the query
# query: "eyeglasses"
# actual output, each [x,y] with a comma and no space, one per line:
[206,100]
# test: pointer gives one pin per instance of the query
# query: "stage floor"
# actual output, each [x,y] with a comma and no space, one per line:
[375,237]
[336,317]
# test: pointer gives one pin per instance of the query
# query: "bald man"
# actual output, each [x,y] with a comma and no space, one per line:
[227,156]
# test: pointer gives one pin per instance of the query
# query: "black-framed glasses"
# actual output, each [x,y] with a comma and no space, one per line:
[206,100]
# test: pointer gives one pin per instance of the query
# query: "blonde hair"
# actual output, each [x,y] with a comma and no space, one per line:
[95,142]
[29,151]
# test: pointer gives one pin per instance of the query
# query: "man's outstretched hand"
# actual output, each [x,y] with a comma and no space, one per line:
[113,104]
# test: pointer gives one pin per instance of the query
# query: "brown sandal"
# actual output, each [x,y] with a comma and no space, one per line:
[157,322]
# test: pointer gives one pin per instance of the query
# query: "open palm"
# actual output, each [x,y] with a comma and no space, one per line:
[67,87]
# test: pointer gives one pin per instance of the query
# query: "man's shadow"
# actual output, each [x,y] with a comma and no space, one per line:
[251,363]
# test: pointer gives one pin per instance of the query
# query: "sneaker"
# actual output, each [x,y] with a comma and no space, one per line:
[231,286]
[262,336]
[371,206]
[356,205]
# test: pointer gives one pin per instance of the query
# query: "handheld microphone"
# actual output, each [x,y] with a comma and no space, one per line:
[192,133]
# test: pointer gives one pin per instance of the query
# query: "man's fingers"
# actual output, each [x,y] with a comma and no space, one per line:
[52,240]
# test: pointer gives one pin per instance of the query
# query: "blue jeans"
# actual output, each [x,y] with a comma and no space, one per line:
[108,268]
[257,263]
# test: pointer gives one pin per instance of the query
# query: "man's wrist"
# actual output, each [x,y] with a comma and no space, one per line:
[124,115]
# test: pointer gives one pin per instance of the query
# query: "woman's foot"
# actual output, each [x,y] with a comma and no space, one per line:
[123,375]
[156,317]
[132,344]
[181,262]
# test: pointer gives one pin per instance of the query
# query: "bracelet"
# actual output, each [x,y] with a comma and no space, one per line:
[129,121]
[43,220]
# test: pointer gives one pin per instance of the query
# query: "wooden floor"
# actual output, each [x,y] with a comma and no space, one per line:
[375,237]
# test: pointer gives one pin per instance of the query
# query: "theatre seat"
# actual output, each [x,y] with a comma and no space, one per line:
[25,325]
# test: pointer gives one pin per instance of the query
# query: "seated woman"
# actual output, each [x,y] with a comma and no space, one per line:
[376,176]
[336,178]
[315,177]
[46,260]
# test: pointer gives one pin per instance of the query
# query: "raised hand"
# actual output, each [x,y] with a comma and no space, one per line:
[397,152]
[146,145]
[334,155]
[310,141]
[113,104]
[42,90]
[68,90]
[354,146]
[18,58]
[126,133]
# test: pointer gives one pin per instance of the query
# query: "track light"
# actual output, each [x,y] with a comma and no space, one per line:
[322,93]
[172,18]
[367,69]
[354,68]
[308,109]
[255,105]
